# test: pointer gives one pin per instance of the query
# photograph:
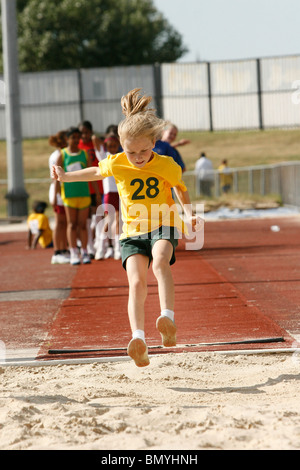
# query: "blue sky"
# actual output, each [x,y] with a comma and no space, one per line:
[234,29]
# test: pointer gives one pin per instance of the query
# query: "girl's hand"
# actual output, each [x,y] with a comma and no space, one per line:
[57,173]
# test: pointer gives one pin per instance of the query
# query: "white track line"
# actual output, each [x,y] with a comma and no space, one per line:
[32,362]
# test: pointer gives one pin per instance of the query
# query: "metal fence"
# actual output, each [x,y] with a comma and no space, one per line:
[227,95]
[281,179]
[276,180]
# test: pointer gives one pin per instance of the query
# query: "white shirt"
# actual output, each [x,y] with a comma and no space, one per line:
[109,183]
[53,159]
[204,169]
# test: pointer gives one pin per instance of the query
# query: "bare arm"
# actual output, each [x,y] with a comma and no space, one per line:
[180,142]
[33,240]
[184,199]
[87,174]
[94,183]
[185,202]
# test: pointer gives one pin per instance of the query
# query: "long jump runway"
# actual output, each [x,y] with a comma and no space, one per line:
[240,292]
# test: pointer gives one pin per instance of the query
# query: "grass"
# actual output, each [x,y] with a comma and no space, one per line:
[241,148]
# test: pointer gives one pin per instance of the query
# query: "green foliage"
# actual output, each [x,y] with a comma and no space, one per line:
[67,34]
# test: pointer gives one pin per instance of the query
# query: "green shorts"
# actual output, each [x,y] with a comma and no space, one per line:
[143,244]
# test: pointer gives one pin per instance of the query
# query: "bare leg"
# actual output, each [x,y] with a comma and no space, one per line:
[137,268]
[71,215]
[61,232]
[162,253]
[82,225]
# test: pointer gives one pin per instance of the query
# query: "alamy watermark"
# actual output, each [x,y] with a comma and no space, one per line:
[142,223]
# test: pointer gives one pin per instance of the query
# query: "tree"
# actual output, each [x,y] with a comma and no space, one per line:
[68,34]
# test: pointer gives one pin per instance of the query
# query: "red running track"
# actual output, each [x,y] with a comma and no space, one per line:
[243,285]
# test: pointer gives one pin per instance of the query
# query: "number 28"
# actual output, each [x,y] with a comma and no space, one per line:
[152,189]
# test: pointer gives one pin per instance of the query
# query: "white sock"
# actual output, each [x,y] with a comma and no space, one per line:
[168,313]
[139,334]
[74,251]
[93,222]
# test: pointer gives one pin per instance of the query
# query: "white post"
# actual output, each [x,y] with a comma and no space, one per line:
[16,196]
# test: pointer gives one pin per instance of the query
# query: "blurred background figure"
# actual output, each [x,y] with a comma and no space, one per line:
[107,241]
[61,254]
[39,230]
[162,147]
[76,197]
[96,190]
[205,175]
[170,134]
[226,177]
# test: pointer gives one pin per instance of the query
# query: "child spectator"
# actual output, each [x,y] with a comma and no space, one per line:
[61,254]
[76,197]
[111,204]
[39,230]
[226,177]
[96,190]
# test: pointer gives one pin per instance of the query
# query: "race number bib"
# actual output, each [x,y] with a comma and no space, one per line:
[74,166]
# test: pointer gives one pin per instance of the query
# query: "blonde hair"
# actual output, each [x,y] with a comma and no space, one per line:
[140,120]
[170,125]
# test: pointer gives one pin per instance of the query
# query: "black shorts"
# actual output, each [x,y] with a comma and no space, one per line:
[143,244]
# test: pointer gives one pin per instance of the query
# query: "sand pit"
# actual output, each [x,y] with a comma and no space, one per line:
[186,401]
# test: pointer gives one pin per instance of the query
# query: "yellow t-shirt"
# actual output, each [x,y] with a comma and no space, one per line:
[145,193]
[225,175]
[38,222]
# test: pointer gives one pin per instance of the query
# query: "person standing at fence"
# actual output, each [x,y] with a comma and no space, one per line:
[205,175]
[76,196]
[61,254]
[226,177]
[144,179]
[96,190]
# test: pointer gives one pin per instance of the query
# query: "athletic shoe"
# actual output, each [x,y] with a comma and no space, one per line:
[63,258]
[91,251]
[66,255]
[109,252]
[86,259]
[167,329]
[60,258]
[99,254]
[54,259]
[74,259]
[138,351]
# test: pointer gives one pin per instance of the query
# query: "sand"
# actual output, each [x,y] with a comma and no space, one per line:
[183,401]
